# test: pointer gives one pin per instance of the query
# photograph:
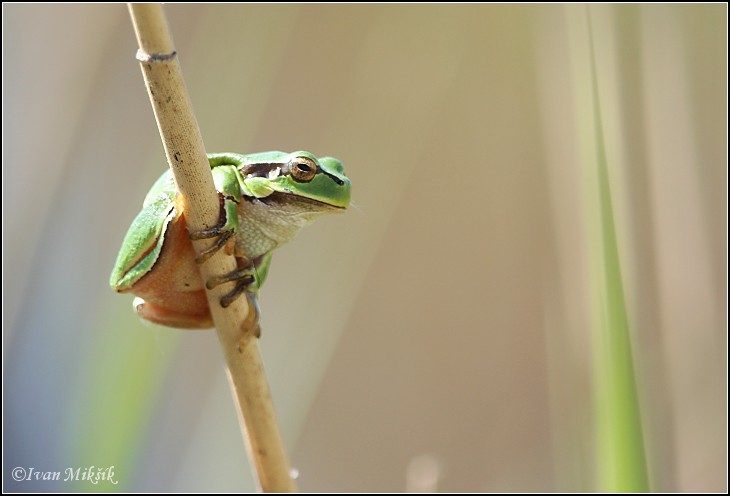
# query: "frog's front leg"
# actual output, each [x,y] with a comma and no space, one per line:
[227,182]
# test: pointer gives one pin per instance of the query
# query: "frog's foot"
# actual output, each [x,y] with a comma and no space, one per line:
[224,231]
[243,277]
[252,320]
[223,235]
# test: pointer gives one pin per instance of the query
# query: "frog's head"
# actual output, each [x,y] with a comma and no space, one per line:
[299,174]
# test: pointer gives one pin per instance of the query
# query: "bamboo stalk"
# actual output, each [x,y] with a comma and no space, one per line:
[235,324]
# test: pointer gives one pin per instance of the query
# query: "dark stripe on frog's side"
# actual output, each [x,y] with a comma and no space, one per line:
[262,170]
[336,179]
[259,170]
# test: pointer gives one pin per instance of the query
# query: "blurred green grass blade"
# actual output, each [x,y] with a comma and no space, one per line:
[621,456]
[124,376]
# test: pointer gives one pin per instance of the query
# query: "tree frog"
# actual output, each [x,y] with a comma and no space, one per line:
[265,199]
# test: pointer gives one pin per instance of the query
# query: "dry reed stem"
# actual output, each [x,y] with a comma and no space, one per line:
[186,155]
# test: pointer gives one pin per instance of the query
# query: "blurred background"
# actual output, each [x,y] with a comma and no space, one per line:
[442,333]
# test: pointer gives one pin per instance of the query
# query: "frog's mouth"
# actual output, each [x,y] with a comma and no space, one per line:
[278,199]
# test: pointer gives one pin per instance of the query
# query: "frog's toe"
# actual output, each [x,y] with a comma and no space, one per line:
[223,239]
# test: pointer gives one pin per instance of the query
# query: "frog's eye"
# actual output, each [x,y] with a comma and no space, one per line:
[302,169]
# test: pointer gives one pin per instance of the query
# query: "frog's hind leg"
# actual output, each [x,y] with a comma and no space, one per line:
[172,318]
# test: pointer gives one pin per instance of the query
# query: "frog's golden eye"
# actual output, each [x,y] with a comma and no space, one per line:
[302,169]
